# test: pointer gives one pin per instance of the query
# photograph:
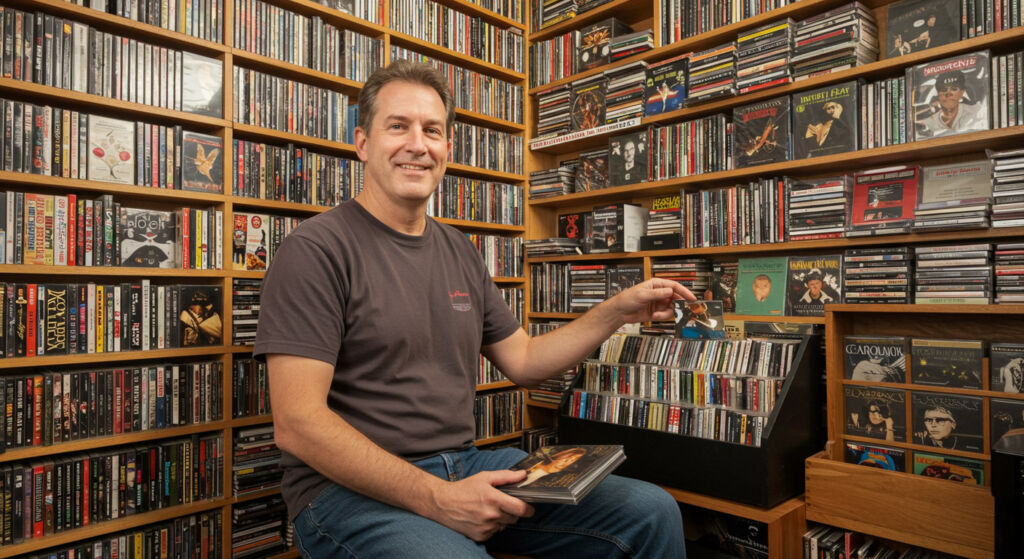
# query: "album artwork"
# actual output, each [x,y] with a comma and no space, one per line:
[592,170]
[199,315]
[1005,416]
[701,320]
[148,238]
[813,282]
[953,468]
[950,363]
[666,85]
[628,158]
[883,457]
[949,96]
[201,85]
[876,412]
[588,102]
[1006,364]
[876,358]
[761,133]
[202,163]
[916,25]
[825,120]
[947,421]
[595,48]
[761,286]
[111,150]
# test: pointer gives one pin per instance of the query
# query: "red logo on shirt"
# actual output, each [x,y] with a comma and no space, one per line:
[460,301]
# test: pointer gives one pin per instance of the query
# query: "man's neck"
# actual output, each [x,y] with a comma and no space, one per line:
[408,220]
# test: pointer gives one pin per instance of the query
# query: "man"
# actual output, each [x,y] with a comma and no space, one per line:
[762,287]
[831,134]
[953,115]
[939,425]
[372,321]
[814,293]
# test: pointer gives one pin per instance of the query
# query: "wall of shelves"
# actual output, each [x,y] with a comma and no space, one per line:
[230,57]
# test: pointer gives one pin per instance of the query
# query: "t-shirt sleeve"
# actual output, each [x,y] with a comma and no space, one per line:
[499,322]
[301,304]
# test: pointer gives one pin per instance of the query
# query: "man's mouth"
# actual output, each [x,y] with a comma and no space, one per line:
[413,166]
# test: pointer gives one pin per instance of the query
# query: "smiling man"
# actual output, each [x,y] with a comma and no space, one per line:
[373,318]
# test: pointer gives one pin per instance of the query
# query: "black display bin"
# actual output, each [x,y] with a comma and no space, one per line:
[759,476]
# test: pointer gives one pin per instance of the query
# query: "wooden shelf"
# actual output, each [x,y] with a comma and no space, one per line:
[481,225]
[502,279]
[107,357]
[625,10]
[122,191]
[481,173]
[30,452]
[277,137]
[498,439]
[454,57]
[479,11]
[107,271]
[291,71]
[112,526]
[256,495]
[480,119]
[261,204]
[252,420]
[334,17]
[495,385]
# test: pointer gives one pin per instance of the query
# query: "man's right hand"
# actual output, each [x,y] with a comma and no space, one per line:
[475,508]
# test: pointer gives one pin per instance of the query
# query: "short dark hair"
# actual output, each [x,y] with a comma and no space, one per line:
[407,71]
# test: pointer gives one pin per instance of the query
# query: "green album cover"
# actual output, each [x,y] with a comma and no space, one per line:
[761,288]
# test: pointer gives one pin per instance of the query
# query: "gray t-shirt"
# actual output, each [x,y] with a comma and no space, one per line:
[402,319]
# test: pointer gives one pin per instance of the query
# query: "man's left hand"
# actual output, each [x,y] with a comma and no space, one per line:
[653,299]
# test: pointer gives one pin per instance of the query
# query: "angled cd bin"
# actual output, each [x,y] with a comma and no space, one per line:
[761,476]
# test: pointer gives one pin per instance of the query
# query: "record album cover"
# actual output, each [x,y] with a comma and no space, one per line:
[702,320]
[761,286]
[1005,416]
[761,132]
[201,85]
[202,163]
[813,282]
[875,358]
[883,457]
[148,238]
[949,96]
[199,315]
[884,199]
[564,473]
[595,48]
[876,412]
[953,468]
[947,421]
[916,25]
[1007,366]
[666,85]
[111,150]
[592,170]
[588,103]
[628,158]
[825,120]
[950,363]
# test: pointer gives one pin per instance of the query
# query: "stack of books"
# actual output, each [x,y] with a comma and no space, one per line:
[624,98]
[1007,187]
[835,40]
[245,310]
[629,44]
[762,56]
[1009,268]
[553,107]
[693,273]
[553,246]
[953,274]
[877,275]
[553,182]
[257,461]
[711,74]
[817,208]
[551,12]
[954,196]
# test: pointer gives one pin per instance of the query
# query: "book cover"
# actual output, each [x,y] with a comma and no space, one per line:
[592,170]
[665,87]
[916,25]
[884,200]
[202,163]
[950,363]
[201,85]
[813,282]
[148,238]
[953,468]
[1005,416]
[761,286]
[199,315]
[875,358]
[111,150]
[761,132]
[1006,364]
[701,320]
[588,103]
[955,182]
[628,158]
[825,120]
[875,412]
[564,473]
[948,421]
[883,457]
[949,96]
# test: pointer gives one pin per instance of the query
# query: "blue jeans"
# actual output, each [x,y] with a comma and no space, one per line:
[622,517]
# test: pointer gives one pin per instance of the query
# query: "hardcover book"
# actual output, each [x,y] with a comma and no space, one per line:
[111,150]
[916,25]
[201,85]
[951,363]
[666,85]
[202,163]
[595,48]
[949,96]
[148,238]
[813,282]
[199,315]
[702,320]
[628,158]
[1006,364]
[761,286]
[882,457]
[948,421]
[564,473]
[876,412]
[953,468]
[761,133]
[825,120]
[1005,416]
[875,358]
[592,170]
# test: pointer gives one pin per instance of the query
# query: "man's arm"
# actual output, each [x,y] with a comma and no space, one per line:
[306,428]
[528,361]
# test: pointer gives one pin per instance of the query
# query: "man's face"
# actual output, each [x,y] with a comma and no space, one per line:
[814,287]
[833,110]
[939,424]
[629,153]
[949,96]
[875,414]
[406,148]
[761,288]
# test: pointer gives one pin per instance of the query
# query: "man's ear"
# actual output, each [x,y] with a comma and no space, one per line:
[361,138]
